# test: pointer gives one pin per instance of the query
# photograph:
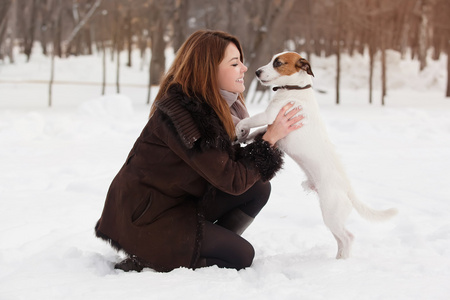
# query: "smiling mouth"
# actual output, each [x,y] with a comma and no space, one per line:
[264,81]
[268,81]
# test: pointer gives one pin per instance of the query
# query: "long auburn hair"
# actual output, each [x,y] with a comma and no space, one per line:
[195,68]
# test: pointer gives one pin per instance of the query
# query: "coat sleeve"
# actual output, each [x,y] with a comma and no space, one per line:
[258,160]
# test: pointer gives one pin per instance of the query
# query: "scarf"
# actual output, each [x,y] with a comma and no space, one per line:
[237,109]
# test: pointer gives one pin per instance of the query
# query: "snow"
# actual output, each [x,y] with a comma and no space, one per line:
[57,164]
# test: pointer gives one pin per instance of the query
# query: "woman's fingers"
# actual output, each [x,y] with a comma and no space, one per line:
[293,116]
[287,120]
[296,121]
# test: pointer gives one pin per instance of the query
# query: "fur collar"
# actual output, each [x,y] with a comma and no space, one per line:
[195,122]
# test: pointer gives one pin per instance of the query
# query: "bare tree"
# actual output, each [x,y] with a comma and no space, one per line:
[81,21]
[55,21]
[5,11]
[26,20]
[158,10]
[259,44]
[424,31]
[372,48]
[383,41]
[448,71]
[265,27]
[103,47]
[339,25]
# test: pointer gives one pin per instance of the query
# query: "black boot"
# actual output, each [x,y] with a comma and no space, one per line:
[235,220]
[131,263]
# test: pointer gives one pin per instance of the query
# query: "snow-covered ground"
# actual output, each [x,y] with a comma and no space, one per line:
[56,165]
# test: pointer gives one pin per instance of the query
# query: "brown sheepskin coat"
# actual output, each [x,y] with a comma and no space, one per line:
[154,206]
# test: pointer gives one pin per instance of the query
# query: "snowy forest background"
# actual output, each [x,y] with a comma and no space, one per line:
[76,78]
[64,28]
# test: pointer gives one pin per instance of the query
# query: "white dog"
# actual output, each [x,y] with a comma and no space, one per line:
[310,146]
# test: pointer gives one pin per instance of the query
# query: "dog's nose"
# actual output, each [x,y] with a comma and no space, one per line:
[258,72]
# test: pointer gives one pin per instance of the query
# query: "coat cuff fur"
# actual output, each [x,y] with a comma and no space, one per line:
[267,159]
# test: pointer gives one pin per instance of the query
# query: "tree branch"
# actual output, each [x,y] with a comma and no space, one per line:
[82,23]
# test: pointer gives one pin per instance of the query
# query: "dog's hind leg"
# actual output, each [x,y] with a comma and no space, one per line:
[335,211]
[344,241]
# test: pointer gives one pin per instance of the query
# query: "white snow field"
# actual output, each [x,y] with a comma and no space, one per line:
[56,165]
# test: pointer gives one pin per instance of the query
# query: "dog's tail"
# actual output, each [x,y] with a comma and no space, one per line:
[370,213]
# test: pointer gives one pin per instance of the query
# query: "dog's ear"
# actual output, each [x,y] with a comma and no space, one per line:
[304,65]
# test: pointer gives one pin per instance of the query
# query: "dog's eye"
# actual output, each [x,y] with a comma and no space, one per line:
[277,63]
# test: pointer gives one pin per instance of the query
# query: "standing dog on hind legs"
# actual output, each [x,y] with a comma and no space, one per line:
[310,147]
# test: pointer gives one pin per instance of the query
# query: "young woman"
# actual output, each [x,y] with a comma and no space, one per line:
[185,193]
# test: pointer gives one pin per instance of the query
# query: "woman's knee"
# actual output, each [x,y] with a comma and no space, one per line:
[237,257]
[259,193]
[245,257]
[265,190]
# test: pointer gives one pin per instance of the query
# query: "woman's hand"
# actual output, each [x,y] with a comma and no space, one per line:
[285,122]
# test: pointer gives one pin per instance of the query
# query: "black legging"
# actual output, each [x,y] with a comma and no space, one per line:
[221,246]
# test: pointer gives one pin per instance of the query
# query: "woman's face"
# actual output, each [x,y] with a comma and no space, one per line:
[231,71]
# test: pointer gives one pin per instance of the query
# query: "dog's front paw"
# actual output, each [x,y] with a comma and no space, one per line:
[242,131]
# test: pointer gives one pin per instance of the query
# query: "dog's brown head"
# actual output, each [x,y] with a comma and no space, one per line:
[290,63]
[284,66]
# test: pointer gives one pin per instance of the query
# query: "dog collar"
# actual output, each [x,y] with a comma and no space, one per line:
[291,87]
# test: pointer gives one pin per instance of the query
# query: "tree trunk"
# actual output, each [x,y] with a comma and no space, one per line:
[448,70]
[424,30]
[383,72]
[56,48]
[30,30]
[338,51]
[262,45]
[4,13]
[103,68]
[82,23]
[11,32]
[117,45]
[2,34]
[52,75]
[371,63]
[310,32]
[382,39]
[158,59]
[88,40]
[46,11]
[338,74]
[371,42]
[180,20]
[57,44]
[149,87]
[102,22]
[128,34]
[118,70]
